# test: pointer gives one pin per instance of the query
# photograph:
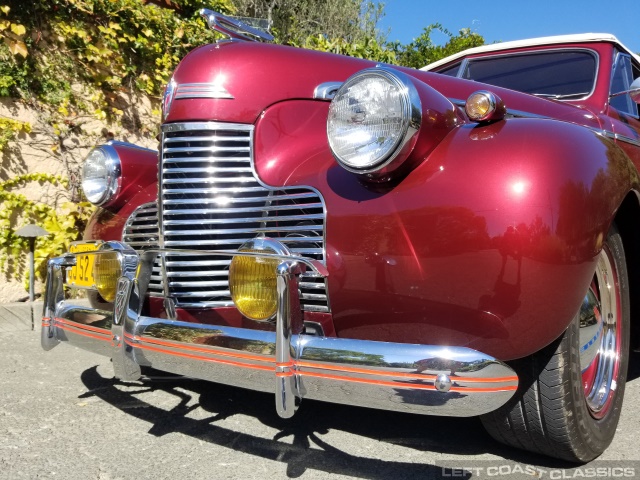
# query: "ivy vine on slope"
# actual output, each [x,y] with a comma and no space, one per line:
[103,45]
[62,224]
[9,128]
[71,59]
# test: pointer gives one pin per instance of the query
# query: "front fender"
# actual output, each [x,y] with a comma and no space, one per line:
[489,243]
[109,224]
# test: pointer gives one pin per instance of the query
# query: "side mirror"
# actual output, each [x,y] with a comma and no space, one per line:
[634,90]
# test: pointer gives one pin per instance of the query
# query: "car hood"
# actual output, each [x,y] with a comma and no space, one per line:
[246,78]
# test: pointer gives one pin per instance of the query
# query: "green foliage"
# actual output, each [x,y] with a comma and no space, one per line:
[72,59]
[81,53]
[9,128]
[293,21]
[101,46]
[64,224]
[416,54]
[369,48]
[423,50]
[349,27]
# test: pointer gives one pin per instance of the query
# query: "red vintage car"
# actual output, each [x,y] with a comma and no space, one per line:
[455,241]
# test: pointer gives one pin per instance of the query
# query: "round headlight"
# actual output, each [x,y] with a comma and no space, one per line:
[101,174]
[253,280]
[373,116]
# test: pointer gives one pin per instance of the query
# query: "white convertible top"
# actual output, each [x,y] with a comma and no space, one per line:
[533,42]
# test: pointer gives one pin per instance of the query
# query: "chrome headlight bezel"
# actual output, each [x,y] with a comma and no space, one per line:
[105,158]
[410,109]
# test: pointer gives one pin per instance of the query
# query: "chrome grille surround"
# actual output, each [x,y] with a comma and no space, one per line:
[211,199]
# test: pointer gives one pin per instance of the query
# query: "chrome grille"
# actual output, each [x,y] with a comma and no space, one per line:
[210,199]
[141,233]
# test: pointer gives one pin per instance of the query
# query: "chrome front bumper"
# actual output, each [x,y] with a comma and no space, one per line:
[425,379]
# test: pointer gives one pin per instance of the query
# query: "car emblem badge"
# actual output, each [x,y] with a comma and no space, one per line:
[167,98]
[183,91]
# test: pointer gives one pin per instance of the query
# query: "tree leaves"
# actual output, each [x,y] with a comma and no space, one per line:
[295,21]
[349,27]
[423,51]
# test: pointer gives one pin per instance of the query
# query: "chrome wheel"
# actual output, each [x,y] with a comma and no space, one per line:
[570,396]
[600,336]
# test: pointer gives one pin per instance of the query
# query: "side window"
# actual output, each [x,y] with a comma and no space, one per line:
[451,71]
[620,81]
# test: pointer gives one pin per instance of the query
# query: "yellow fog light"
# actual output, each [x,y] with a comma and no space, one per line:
[252,280]
[484,105]
[107,271]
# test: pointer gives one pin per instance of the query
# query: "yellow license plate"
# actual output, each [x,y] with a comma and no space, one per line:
[81,276]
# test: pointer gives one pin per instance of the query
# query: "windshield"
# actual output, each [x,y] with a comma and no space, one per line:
[555,74]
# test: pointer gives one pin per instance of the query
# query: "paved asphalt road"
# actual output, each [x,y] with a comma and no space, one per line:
[63,416]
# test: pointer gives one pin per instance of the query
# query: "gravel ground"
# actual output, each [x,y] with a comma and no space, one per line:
[62,415]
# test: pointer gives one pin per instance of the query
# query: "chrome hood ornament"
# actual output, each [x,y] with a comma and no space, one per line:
[233,28]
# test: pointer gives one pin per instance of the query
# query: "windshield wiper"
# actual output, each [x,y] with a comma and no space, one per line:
[561,97]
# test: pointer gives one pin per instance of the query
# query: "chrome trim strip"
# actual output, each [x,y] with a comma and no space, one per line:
[207,149]
[390,376]
[241,220]
[119,143]
[316,266]
[522,114]
[511,113]
[622,138]
[161,241]
[201,90]
[198,201]
[177,181]
[189,126]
